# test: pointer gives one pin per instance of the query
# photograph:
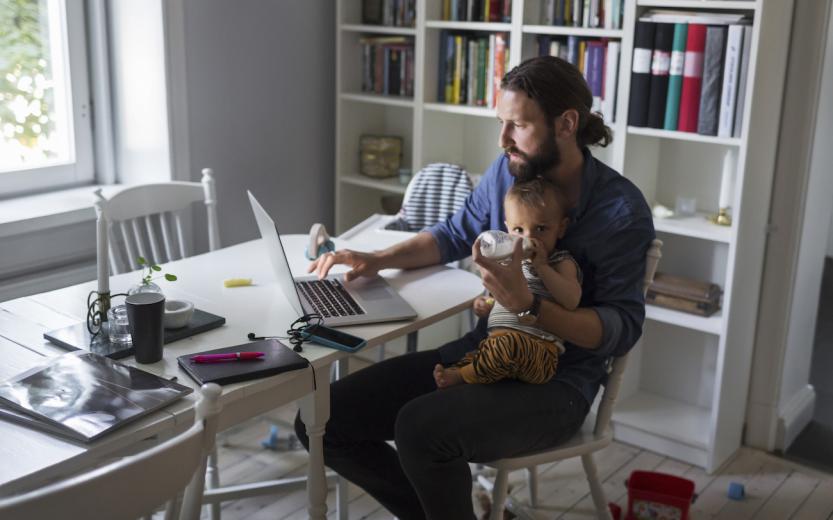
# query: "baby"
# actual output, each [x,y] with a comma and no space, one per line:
[515,348]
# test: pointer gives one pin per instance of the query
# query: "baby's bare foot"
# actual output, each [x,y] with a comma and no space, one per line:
[446,377]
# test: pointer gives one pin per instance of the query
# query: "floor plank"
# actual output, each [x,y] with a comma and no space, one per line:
[819,504]
[759,489]
[776,488]
[789,496]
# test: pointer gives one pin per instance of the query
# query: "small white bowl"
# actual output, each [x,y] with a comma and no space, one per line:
[178,313]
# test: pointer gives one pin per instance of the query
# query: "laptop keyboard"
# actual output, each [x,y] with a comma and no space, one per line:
[329,298]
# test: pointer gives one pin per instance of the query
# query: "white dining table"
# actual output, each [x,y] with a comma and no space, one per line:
[32,458]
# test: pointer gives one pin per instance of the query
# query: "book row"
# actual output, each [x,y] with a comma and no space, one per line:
[391,13]
[388,65]
[606,14]
[598,61]
[690,72]
[471,67]
[477,10]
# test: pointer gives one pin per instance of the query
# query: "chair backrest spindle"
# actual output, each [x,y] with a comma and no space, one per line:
[614,378]
[166,235]
[151,236]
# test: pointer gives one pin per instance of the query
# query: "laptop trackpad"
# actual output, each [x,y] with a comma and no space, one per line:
[375,288]
[375,293]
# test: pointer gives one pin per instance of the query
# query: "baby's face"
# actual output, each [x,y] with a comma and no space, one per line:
[543,224]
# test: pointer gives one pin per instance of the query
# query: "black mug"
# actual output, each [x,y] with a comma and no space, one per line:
[145,314]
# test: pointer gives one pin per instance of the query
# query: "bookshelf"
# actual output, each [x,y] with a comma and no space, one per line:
[685,390]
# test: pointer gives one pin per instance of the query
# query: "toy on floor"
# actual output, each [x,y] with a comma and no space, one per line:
[653,495]
[319,242]
[272,442]
[736,491]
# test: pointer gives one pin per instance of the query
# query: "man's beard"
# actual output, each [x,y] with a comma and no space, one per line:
[538,165]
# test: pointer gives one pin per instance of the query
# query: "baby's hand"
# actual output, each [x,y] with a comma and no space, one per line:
[539,254]
[483,306]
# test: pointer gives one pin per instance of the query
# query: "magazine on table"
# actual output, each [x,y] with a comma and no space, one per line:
[83,396]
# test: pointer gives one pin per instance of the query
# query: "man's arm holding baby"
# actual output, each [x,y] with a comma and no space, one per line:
[612,322]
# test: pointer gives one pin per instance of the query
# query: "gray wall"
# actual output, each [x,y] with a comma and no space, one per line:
[261,112]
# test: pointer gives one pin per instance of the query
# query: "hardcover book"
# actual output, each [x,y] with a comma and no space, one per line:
[277,358]
[82,396]
[707,118]
[643,45]
[692,78]
[744,69]
[675,77]
[660,69]
[731,71]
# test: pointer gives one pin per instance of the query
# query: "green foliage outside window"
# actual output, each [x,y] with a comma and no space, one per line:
[25,79]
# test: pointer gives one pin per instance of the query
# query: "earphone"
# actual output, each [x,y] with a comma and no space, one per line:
[294,333]
[252,337]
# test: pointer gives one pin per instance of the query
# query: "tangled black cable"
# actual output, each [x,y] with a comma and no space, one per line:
[295,332]
[295,336]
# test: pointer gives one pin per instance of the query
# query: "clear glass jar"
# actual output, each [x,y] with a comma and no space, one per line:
[118,325]
[143,288]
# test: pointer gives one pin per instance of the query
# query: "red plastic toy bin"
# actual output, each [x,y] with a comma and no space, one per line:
[657,496]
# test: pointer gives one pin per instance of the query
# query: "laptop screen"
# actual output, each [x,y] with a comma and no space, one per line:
[277,255]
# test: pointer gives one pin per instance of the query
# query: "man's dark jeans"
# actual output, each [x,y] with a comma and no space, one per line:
[437,432]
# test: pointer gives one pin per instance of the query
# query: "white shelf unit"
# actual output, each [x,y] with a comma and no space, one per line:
[685,389]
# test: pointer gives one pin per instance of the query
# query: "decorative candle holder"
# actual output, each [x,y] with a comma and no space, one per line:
[98,303]
[722,218]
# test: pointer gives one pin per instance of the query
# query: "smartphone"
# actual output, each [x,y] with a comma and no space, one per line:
[333,338]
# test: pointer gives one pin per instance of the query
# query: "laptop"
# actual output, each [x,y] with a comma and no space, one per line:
[363,300]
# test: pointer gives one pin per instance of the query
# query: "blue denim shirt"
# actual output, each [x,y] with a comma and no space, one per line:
[609,233]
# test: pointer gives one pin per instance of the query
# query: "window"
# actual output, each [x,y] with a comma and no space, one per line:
[45,123]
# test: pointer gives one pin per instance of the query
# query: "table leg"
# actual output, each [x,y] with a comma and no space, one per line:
[411,345]
[315,411]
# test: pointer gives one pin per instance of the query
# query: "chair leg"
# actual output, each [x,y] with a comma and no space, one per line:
[173,507]
[532,484]
[411,345]
[212,481]
[596,490]
[499,494]
[192,500]
[342,499]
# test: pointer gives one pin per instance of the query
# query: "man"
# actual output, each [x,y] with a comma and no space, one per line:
[546,126]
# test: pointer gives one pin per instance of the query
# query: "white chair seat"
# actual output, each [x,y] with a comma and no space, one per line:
[585,441]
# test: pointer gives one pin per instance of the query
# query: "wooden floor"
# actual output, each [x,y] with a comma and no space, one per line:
[775,488]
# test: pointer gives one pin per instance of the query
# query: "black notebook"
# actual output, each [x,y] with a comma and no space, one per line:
[83,396]
[78,337]
[278,358]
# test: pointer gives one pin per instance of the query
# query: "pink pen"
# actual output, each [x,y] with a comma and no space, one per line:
[229,356]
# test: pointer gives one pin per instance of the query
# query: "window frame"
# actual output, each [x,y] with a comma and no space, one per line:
[80,169]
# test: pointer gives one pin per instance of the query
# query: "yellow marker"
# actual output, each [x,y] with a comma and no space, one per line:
[237,282]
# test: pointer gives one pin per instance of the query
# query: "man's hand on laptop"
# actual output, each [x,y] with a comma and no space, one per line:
[363,264]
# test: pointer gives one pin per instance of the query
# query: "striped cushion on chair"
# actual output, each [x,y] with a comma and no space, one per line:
[435,193]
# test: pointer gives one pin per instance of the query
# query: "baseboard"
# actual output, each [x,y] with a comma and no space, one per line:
[795,416]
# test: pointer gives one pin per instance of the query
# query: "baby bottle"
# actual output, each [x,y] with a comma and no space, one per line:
[498,245]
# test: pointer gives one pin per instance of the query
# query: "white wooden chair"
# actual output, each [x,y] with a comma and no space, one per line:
[135,485]
[146,220]
[593,436]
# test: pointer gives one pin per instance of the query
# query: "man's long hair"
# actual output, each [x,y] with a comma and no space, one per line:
[557,85]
